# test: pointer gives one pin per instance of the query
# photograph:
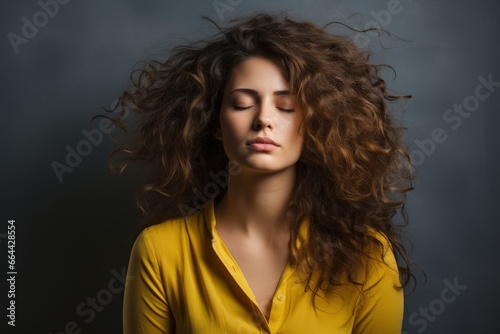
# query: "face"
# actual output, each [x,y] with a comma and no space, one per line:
[259,124]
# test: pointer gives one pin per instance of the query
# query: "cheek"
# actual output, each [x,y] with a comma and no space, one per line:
[231,138]
[227,128]
[233,126]
[297,140]
[292,127]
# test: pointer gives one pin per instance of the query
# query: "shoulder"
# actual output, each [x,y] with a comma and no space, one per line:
[166,239]
[168,230]
[381,263]
[380,303]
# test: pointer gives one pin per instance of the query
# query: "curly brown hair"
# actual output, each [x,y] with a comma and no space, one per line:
[353,173]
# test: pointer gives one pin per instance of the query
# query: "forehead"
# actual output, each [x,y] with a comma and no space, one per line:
[258,73]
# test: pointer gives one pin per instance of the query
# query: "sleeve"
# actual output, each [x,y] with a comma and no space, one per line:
[381,304]
[145,307]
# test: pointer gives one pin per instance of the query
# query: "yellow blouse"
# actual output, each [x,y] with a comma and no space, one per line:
[182,279]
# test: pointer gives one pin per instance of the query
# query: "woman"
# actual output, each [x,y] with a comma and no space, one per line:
[275,170]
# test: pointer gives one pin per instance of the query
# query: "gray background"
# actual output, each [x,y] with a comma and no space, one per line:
[74,236]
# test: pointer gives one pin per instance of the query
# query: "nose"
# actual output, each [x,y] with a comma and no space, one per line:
[264,118]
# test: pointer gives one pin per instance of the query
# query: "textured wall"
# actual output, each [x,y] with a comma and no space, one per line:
[61,64]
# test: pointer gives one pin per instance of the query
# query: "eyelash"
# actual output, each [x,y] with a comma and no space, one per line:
[241,108]
[245,108]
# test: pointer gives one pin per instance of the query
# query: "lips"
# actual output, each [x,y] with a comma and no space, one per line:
[263,144]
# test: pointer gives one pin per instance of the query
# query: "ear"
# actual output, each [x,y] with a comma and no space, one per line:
[217,132]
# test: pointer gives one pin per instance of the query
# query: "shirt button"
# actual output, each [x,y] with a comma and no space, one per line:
[280,298]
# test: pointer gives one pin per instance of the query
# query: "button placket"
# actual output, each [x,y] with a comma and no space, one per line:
[280,300]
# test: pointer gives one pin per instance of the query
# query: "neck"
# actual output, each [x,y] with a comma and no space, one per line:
[256,203]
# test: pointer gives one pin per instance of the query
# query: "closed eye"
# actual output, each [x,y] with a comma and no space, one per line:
[241,107]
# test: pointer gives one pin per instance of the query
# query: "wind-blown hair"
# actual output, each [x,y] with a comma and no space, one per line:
[353,173]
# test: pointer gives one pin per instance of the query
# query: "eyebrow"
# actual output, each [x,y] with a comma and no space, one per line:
[255,93]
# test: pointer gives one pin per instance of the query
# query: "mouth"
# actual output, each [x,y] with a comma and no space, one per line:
[263,144]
